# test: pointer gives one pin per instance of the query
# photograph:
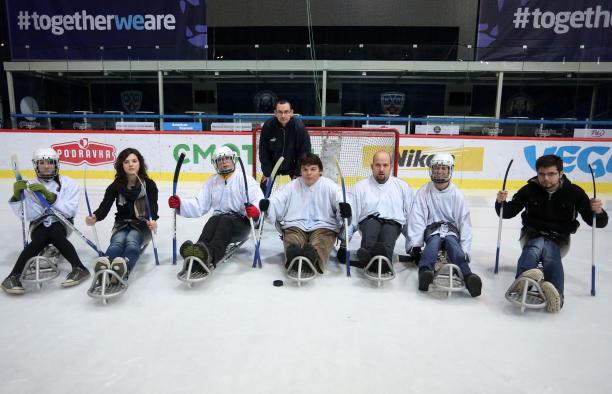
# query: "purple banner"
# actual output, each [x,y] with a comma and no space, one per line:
[113,29]
[541,30]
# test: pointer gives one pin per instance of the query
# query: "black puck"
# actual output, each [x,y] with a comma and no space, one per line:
[278,283]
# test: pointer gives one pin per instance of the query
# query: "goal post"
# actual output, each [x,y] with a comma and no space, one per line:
[353,147]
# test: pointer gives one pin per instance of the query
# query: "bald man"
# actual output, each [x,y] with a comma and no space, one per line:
[381,207]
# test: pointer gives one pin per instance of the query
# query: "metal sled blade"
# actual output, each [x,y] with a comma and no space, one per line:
[373,270]
[531,295]
[301,269]
[106,284]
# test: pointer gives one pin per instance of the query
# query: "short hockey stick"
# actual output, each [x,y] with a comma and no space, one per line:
[43,201]
[593,226]
[18,177]
[348,253]
[177,171]
[93,228]
[144,187]
[246,191]
[256,256]
[501,218]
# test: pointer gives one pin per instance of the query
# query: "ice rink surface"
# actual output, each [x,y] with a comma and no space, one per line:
[236,333]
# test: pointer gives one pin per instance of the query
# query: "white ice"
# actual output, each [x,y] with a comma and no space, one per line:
[236,333]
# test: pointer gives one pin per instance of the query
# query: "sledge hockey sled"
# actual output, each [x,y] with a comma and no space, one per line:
[526,293]
[447,276]
[107,284]
[42,268]
[301,269]
[195,270]
[373,269]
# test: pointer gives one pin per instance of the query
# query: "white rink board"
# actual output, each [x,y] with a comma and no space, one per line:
[480,161]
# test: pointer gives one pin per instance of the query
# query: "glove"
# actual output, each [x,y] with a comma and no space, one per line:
[414,254]
[264,205]
[341,254]
[17,188]
[345,210]
[251,211]
[49,196]
[174,202]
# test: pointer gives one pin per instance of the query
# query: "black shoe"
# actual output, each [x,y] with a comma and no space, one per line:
[186,249]
[473,283]
[201,251]
[425,279]
[364,256]
[12,285]
[293,251]
[76,276]
[311,254]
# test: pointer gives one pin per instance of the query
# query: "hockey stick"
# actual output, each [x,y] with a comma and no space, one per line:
[501,218]
[348,253]
[593,226]
[256,256]
[60,216]
[93,228]
[18,177]
[177,171]
[246,191]
[144,187]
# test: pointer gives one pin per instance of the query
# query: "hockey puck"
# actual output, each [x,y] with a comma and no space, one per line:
[278,283]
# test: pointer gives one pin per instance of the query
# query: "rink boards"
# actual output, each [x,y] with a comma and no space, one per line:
[480,161]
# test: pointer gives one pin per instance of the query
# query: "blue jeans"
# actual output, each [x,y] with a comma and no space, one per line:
[125,243]
[548,252]
[453,251]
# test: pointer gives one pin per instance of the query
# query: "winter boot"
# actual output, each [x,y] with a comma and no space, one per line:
[311,254]
[473,283]
[426,276]
[186,249]
[292,251]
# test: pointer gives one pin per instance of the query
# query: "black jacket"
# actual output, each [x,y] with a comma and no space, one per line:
[275,141]
[125,212]
[556,212]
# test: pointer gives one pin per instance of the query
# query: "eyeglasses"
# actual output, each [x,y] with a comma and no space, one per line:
[547,174]
[283,112]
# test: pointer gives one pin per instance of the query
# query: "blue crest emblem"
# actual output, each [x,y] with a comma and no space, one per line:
[392,102]
[265,101]
[131,100]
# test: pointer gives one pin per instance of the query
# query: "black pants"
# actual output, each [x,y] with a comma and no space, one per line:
[43,236]
[375,230]
[221,230]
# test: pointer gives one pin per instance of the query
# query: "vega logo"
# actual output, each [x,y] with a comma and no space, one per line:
[575,156]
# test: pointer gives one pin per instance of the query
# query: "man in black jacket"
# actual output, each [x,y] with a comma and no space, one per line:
[282,135]
[551,205]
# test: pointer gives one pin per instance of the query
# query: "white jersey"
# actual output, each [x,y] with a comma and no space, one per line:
[391,200]
[222,196]
[432,205]
[307,207]
[67,200]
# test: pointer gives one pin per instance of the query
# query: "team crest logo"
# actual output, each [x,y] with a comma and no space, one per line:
[265,101]
[131,100]
[392,102]
[85,151]
[519,104]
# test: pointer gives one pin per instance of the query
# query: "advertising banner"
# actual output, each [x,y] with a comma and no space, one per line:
[593,133]
[113,29]
[541,30]
[480,162]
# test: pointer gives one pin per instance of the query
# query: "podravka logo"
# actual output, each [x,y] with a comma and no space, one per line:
[84,151]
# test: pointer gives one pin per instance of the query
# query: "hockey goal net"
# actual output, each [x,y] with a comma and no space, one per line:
[353,147]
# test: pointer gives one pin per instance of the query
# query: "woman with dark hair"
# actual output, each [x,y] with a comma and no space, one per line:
[132,226]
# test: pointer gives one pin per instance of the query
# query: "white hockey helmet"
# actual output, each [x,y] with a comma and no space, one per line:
[441,160]
[47,154]
[221,153]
